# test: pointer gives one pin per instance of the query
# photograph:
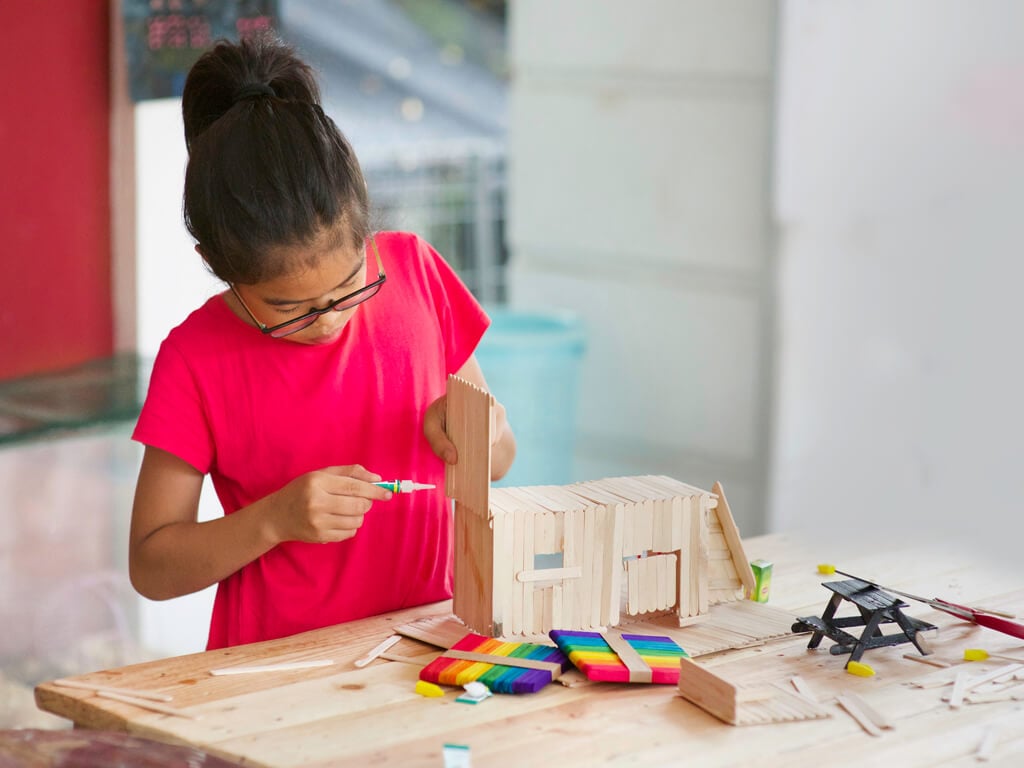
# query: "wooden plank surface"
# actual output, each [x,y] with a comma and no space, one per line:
[338,715]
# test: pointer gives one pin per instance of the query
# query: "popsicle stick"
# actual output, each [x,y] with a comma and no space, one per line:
[639,670]
[148,695]
[926,660]
[956,698]
[147,704]
[804,689]
[421,661]
[377,651]
[506,661]
[988,744]
[857,714]
[873,714]
[283,667]
[995,674]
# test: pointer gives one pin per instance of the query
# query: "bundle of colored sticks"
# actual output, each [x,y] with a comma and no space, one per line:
[503,667]
[622,658]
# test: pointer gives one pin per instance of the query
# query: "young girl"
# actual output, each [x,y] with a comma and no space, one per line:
[320,370]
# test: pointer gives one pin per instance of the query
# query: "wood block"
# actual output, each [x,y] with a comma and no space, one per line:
[738,706]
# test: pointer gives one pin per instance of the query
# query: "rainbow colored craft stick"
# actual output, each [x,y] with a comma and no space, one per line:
[404,486]
[598,661]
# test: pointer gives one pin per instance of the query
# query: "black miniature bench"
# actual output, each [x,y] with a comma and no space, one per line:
[875,608]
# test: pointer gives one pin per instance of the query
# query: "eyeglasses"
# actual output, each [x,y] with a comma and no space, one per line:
[347,301]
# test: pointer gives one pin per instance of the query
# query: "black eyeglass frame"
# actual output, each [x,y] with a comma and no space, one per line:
[338,305]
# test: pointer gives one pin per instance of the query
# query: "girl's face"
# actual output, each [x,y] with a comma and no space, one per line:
[336,272]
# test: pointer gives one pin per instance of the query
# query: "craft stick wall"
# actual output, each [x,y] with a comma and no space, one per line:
[581,556]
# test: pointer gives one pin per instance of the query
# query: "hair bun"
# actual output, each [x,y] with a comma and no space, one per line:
[252,91]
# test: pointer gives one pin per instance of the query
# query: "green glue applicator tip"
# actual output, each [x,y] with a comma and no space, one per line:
[404,486]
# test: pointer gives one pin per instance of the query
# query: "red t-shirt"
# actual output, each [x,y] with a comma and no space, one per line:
[255,412]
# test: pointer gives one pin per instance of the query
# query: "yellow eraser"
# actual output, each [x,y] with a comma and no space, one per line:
[826,569]
[858,669]
[975,654]
[423,688]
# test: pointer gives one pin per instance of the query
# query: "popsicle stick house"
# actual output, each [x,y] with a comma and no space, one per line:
[583,556]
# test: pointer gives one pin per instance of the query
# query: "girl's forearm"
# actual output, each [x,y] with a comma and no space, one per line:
[185,557]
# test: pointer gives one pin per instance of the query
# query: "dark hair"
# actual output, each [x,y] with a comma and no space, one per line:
[266,167]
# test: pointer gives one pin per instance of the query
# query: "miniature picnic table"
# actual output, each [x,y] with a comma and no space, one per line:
[875,608]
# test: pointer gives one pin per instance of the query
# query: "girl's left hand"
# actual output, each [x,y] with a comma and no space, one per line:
[435,430]
[503,442]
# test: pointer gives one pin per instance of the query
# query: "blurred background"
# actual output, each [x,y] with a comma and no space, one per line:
[776,244]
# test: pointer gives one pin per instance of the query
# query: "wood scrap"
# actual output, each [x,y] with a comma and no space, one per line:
[737,705]
[852,707]
[83,686]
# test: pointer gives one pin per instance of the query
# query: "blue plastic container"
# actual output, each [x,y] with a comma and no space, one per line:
[531,361]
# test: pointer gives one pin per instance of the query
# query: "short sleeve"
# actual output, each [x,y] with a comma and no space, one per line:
[461,317]
[172,417]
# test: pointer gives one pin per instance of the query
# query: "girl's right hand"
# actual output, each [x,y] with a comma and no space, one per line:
[324,505]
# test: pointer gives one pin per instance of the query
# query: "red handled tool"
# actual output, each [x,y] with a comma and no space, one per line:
[979,616]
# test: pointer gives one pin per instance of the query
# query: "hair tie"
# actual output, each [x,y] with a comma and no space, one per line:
[252,91]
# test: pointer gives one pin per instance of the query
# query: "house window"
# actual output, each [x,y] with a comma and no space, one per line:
[547,561]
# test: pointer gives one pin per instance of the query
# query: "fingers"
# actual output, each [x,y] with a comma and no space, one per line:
[355,471]
[338,527]
[434,431]
[325,505]
[355,481]
[500,422]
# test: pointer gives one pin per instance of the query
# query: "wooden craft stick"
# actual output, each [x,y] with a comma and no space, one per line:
[748,695]
[803,688]
[988,744]
[1005,657]
[639,671]
[283,667]
[873,714]
[956,698]
[440,631]
[147,704]
[149,695]
[995,674]
[506,661]
[935,682]
[857,714]
[377,650]
[926,660]
[732,538]
[421,661]
[992,698]
[550,574]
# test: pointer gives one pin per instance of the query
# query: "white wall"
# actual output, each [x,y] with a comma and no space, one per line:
[899,189]
[640,154]
[171,282]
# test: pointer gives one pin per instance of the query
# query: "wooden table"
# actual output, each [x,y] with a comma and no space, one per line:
[338,715]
